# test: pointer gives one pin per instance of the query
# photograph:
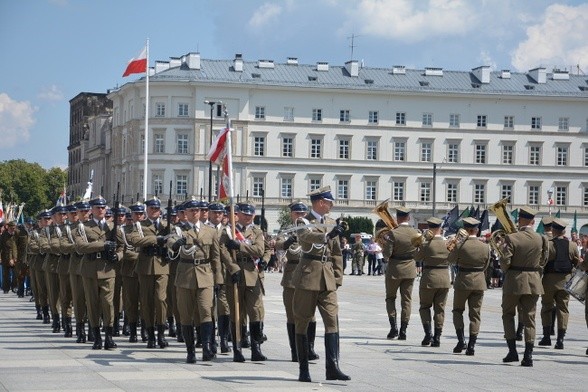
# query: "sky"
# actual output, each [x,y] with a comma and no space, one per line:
[51,50]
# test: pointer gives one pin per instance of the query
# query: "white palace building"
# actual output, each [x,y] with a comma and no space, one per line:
[427,139]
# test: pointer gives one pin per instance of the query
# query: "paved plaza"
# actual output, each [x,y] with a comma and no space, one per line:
[35,359]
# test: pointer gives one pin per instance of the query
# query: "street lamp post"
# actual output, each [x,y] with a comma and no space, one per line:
[211,104]
[434,189]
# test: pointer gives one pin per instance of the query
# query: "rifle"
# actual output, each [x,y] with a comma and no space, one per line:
[169,208]
[113,233]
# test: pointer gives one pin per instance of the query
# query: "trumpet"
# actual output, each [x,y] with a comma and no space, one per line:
[498,238]
[418,240]
[457,240]
[382,211]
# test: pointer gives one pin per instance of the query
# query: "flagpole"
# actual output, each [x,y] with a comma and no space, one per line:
[145,152]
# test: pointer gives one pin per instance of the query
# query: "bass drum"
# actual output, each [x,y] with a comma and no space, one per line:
[578,285]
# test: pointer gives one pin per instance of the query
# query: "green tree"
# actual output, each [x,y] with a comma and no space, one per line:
[284,216]
[359,224]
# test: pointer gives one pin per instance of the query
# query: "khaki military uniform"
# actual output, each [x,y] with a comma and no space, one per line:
[65,294]
[49,240]
[222,303]
[38,282]
[292,254]
[358,258]
[130,280]
[75,279]
[8,252]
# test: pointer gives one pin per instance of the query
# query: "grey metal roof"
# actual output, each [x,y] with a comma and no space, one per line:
[382,79]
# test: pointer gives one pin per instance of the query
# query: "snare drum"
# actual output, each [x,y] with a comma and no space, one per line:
[577,285]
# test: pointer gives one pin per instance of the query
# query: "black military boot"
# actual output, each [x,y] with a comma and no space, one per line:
[332,358]
[528,356]
[116,325]
[161,336]
[97,339]
[90,333]
[519,334]
[39,313]
[460,346]
[126,329]
[223,332]
[471,345]
[393,329]
[561,333]
[82,336]
[512,355]
[427,339]
[311,333]
[402,333]
[436,342]
[207,330]
[237,355]
[179,333]
[56,325]
[144,334]
[256,339]
[108,342]
[553,317]
[188,333]
[67,327]
[546,339]
[213,343]
[150,337]
[245,343]
[78,332]
[171,332]
[291,328]
[133,333]
[46,318]
[198,337]
[302,353]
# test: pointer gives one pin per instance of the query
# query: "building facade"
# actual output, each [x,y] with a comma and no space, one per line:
[427,139]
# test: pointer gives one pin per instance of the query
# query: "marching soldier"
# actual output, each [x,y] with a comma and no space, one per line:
[66,246]
[524,256]
[38,274]
[9,256]
[434,285]
[401,272]
[316,280]
[290,245]
[153,271]
[563,258]
[21,267]
[472,257]
[32,255]
[547,232]
[172,306]
[118,213]
[75,271]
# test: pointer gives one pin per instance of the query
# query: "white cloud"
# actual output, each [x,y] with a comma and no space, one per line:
[51,93]
[16,119]
[486,59]
[558,40]
[264,14]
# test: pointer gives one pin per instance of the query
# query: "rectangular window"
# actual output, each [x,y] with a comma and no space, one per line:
[562,156]
[426,152]
[259,146]
[561,195]
[373,117]
[535,122]
[398,191]
[142,144]
[427,119]
[452,193]
[343,149]
[315,148]
[370,190]
[286,187]
[260,112]
[454,120]
[182,110]
[342,189]
[181,184]
[182,143]
[507,154]
[482,121]
[585,197]
[159,145]
[535,155]
[480,153]
[157,184]
[288,114]
[258,187]
[479,193]
[159,109]
[585,156]
[425,191]
[400,118]
[399,151]
[453,153]
[533,197]
[344,115]
[287,147]
[372,151]
[314,183]
[508,122]
[317,114]
[564,124]
[506,191]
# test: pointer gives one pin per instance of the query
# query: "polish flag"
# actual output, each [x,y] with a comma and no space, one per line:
[137,65]
[219,154]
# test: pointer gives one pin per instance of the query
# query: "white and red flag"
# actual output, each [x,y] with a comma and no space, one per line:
[220,154]
[137,65]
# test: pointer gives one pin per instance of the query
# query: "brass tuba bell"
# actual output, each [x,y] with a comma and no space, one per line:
[498,238]
[382,211]
[456,240]
[418,240]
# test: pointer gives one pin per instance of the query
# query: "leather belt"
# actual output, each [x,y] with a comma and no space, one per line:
[94,256]
[524,269]
[322,259]
[244,259]
[463,269]
[401,257]
[195,261]
[435,266]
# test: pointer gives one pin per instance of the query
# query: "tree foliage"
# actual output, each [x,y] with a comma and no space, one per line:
[359,224]
[284,216]
[29,183]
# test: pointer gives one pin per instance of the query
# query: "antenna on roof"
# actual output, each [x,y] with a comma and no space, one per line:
[352,46]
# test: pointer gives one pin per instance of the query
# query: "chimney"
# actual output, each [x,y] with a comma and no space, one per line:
[192,60]
[161,66]
[174,62]
[352,67]
[238,63]
[482,74]
[398,70]
[292,61]
[505,74]
[322,66]
[539,75]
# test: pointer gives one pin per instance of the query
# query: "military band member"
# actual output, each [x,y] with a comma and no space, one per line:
[98,271]
[472,257]
[316,280]
[290,245]
[524,256]
[242,269]
[400,272]
[75,270]
[434,285]
[67,247]
[563,258]
[39,281]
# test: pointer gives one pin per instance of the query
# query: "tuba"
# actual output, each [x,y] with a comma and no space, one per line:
[457,240]
[382,211]
[418,240]
[498,238]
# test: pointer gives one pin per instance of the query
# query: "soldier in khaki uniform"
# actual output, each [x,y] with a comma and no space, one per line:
[9,256]
[548,233]
[290,245]
[316,280]
[244,271]
[75,271]
[563,258]
[401,271]
[472,257]
[197,273]
[98,271]
[65,295]
[38,280]
[434,285]
[32,256]
[523,258]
